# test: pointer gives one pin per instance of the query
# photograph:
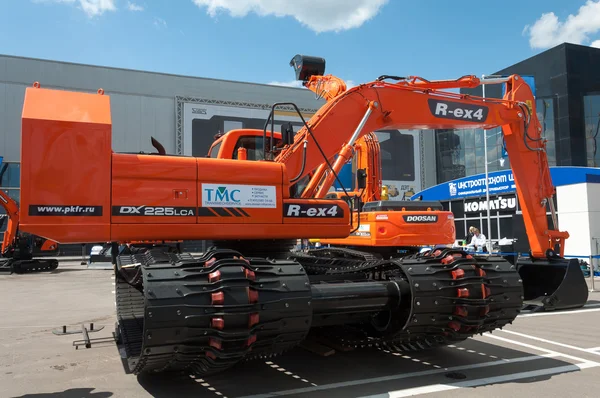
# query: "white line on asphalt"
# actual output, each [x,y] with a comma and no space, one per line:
[558,313]
[208,386]
[571,347]
[401,376]
[594,349]
[560,354]
[409,392]
[287,372]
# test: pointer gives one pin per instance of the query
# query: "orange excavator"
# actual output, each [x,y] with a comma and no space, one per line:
[18,248]
[250,296]
[390,228]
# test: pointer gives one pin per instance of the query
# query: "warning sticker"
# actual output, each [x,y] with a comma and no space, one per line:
[230,195]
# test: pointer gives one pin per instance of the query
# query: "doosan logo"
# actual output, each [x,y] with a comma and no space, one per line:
[421,219]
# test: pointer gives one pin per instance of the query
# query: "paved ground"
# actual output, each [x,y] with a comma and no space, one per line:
[540,355]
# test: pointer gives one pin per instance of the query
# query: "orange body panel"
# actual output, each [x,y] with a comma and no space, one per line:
[76,190]
[390,229]
[66,165]
[140,184]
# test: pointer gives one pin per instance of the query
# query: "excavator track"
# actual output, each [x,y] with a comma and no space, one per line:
[453,296]
[336,260]
[205,314]
[10,265]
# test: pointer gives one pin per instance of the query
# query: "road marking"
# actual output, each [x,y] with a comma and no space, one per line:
[594,349]
[483,381]
[404,356]
[286,372]
[559,312]
[571,347]
[483,354]
[207,386]
[401,376]
[556,353]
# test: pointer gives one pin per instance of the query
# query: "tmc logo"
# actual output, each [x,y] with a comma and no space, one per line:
[222,194]
[452,188]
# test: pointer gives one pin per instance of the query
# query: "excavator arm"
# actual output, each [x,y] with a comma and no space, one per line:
[415,103]
[16,251]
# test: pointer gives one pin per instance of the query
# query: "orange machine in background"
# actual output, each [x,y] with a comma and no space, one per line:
[18,248]
[390,228]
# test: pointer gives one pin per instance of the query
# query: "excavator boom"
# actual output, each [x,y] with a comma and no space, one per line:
[416,104]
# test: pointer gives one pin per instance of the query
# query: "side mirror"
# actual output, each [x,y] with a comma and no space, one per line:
[361,178]
[287,133]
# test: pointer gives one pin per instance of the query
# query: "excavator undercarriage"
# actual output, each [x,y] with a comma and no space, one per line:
[205,314]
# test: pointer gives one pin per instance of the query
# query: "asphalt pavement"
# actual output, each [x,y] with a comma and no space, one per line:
[539,355]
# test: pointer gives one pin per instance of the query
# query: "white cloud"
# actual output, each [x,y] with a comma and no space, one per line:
[159,22]
[549,31]
[318,15]
[595,44]
[134,7]
[92,8]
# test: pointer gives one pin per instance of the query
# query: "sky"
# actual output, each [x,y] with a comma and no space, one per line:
[254,40]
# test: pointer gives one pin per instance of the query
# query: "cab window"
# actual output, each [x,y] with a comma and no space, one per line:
[253,146]
[214,151]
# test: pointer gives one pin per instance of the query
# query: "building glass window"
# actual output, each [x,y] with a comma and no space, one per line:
[591,109]
[452,154]
[545,114]
[461,153]
[397,155]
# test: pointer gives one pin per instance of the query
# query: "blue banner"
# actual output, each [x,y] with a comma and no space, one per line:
[501,182]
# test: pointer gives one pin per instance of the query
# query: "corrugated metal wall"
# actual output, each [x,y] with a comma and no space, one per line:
[142,103]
